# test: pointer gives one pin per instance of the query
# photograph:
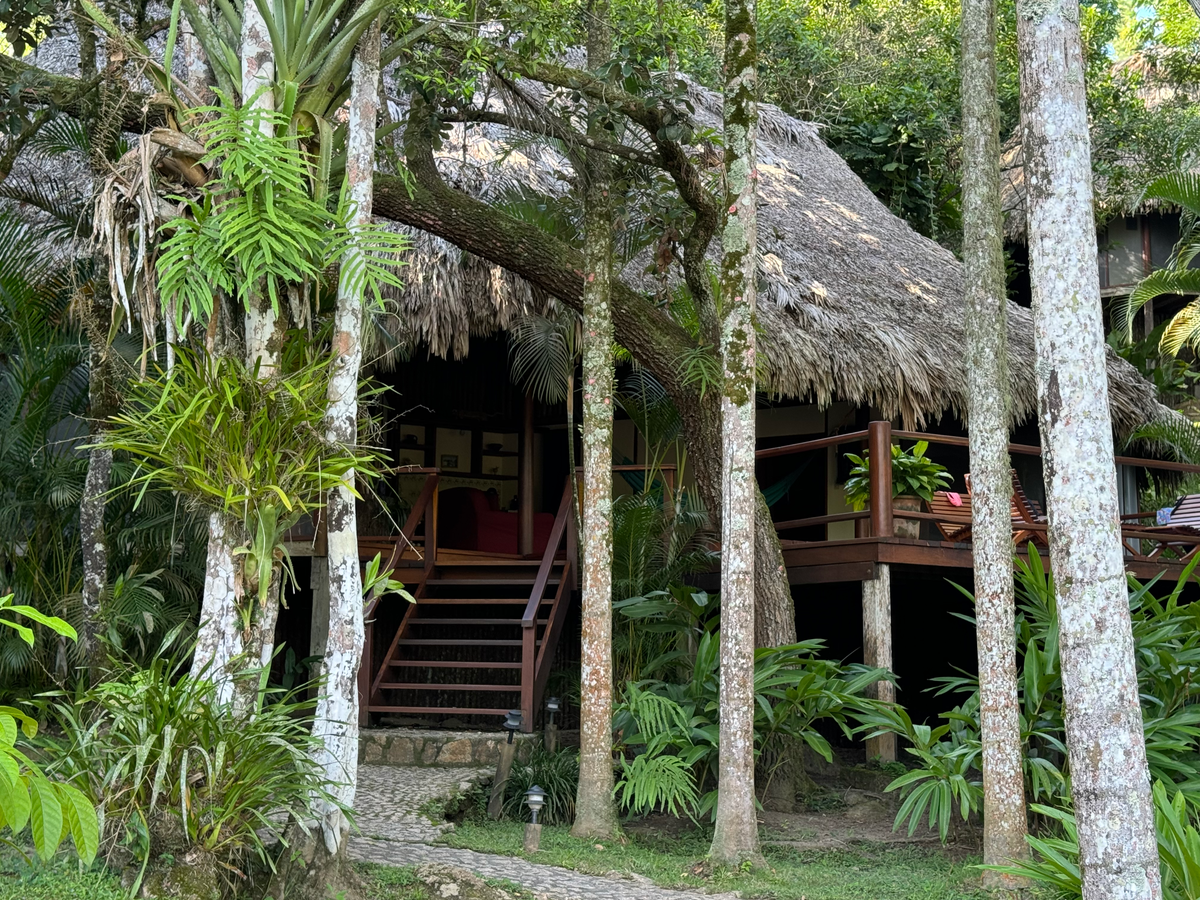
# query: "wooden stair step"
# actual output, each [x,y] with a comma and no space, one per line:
[457,642]
[421,620]
[481,601]
[453,664]
[405,686]
[438,710]
[493,581]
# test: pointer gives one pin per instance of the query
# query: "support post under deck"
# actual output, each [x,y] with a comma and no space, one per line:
[877,649]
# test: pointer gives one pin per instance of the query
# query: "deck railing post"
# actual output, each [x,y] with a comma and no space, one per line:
[879,448]
[431,529]
[365,672]
[528,674]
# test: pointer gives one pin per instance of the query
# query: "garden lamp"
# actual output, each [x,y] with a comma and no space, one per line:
[535,799]
[553,705]
[512,723]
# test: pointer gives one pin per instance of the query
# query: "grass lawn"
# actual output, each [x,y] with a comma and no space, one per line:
[870,872]
[62,880]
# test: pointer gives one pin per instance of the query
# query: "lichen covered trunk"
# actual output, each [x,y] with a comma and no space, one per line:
[336,722]
[595,814]
[736,837]
[220,640]
[265,325]
[263,334]
[94,547]
[1105,740]
[988,405]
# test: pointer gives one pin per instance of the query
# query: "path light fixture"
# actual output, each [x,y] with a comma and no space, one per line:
[553,706]
[535,799]
[512,724]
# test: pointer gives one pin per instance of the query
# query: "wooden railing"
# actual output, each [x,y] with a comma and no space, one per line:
[881,513]
[423,510]
[536,659]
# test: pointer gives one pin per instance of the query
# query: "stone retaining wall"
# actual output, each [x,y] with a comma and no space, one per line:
[422,747]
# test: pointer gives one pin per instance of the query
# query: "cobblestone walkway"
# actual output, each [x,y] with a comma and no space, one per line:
[392,832]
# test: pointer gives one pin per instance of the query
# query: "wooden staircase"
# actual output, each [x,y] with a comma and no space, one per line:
[480,639]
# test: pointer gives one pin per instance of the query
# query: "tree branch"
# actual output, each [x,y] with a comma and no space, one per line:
[74,96]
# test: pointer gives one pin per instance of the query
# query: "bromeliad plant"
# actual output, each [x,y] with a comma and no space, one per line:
[230,442]
[670,731]
[912,474]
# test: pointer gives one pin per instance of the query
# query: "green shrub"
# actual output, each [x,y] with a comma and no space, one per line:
[1056,861]
[556,773]
[1167,650]
[175,770]
[794,688]
[51,809]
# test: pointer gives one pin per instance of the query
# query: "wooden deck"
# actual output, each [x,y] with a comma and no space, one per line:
[1149,551]
[819,562]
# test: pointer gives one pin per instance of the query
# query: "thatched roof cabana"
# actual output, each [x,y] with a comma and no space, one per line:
[854,304]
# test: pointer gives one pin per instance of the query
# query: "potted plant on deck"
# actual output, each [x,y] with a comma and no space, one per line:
[914,478]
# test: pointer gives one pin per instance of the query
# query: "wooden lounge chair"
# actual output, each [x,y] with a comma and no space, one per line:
[1185,523]
[1023,512]
[954,522]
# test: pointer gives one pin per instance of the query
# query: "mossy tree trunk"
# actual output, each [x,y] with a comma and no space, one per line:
[218,648]
[736,837]
[337,704]
[1110,782]
[1004,825]
[595,813]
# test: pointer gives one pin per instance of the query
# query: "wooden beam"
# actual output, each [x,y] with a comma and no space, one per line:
[859,571]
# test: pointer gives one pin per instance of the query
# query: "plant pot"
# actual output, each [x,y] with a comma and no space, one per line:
[906,528]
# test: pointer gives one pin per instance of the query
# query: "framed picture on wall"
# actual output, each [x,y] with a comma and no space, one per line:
[449,460]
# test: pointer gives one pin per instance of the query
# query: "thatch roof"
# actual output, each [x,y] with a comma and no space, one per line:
[854,304]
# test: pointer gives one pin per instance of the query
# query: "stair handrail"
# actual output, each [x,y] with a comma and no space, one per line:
[529,620]
[426,501]
[529,647]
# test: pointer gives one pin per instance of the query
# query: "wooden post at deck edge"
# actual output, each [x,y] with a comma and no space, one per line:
[879,449]
[877,649]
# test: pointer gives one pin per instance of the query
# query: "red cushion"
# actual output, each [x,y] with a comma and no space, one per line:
[465,522]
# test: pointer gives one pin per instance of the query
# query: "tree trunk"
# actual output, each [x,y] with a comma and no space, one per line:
[1106,744]
[337,705]
[94,545]
[1004,825]
[595,814]
[736,837]
[264,332]
[220,640]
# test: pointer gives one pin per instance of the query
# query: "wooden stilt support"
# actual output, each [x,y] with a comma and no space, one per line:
[503,768]
[877,649]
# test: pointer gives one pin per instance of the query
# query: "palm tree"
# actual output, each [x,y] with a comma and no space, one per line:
[1183,190]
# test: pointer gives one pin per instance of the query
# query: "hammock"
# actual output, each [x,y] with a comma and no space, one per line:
[774,493]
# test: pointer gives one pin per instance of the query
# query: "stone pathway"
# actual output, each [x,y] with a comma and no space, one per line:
[392,832]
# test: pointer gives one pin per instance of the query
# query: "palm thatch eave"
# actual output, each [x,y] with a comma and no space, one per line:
[853,304]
